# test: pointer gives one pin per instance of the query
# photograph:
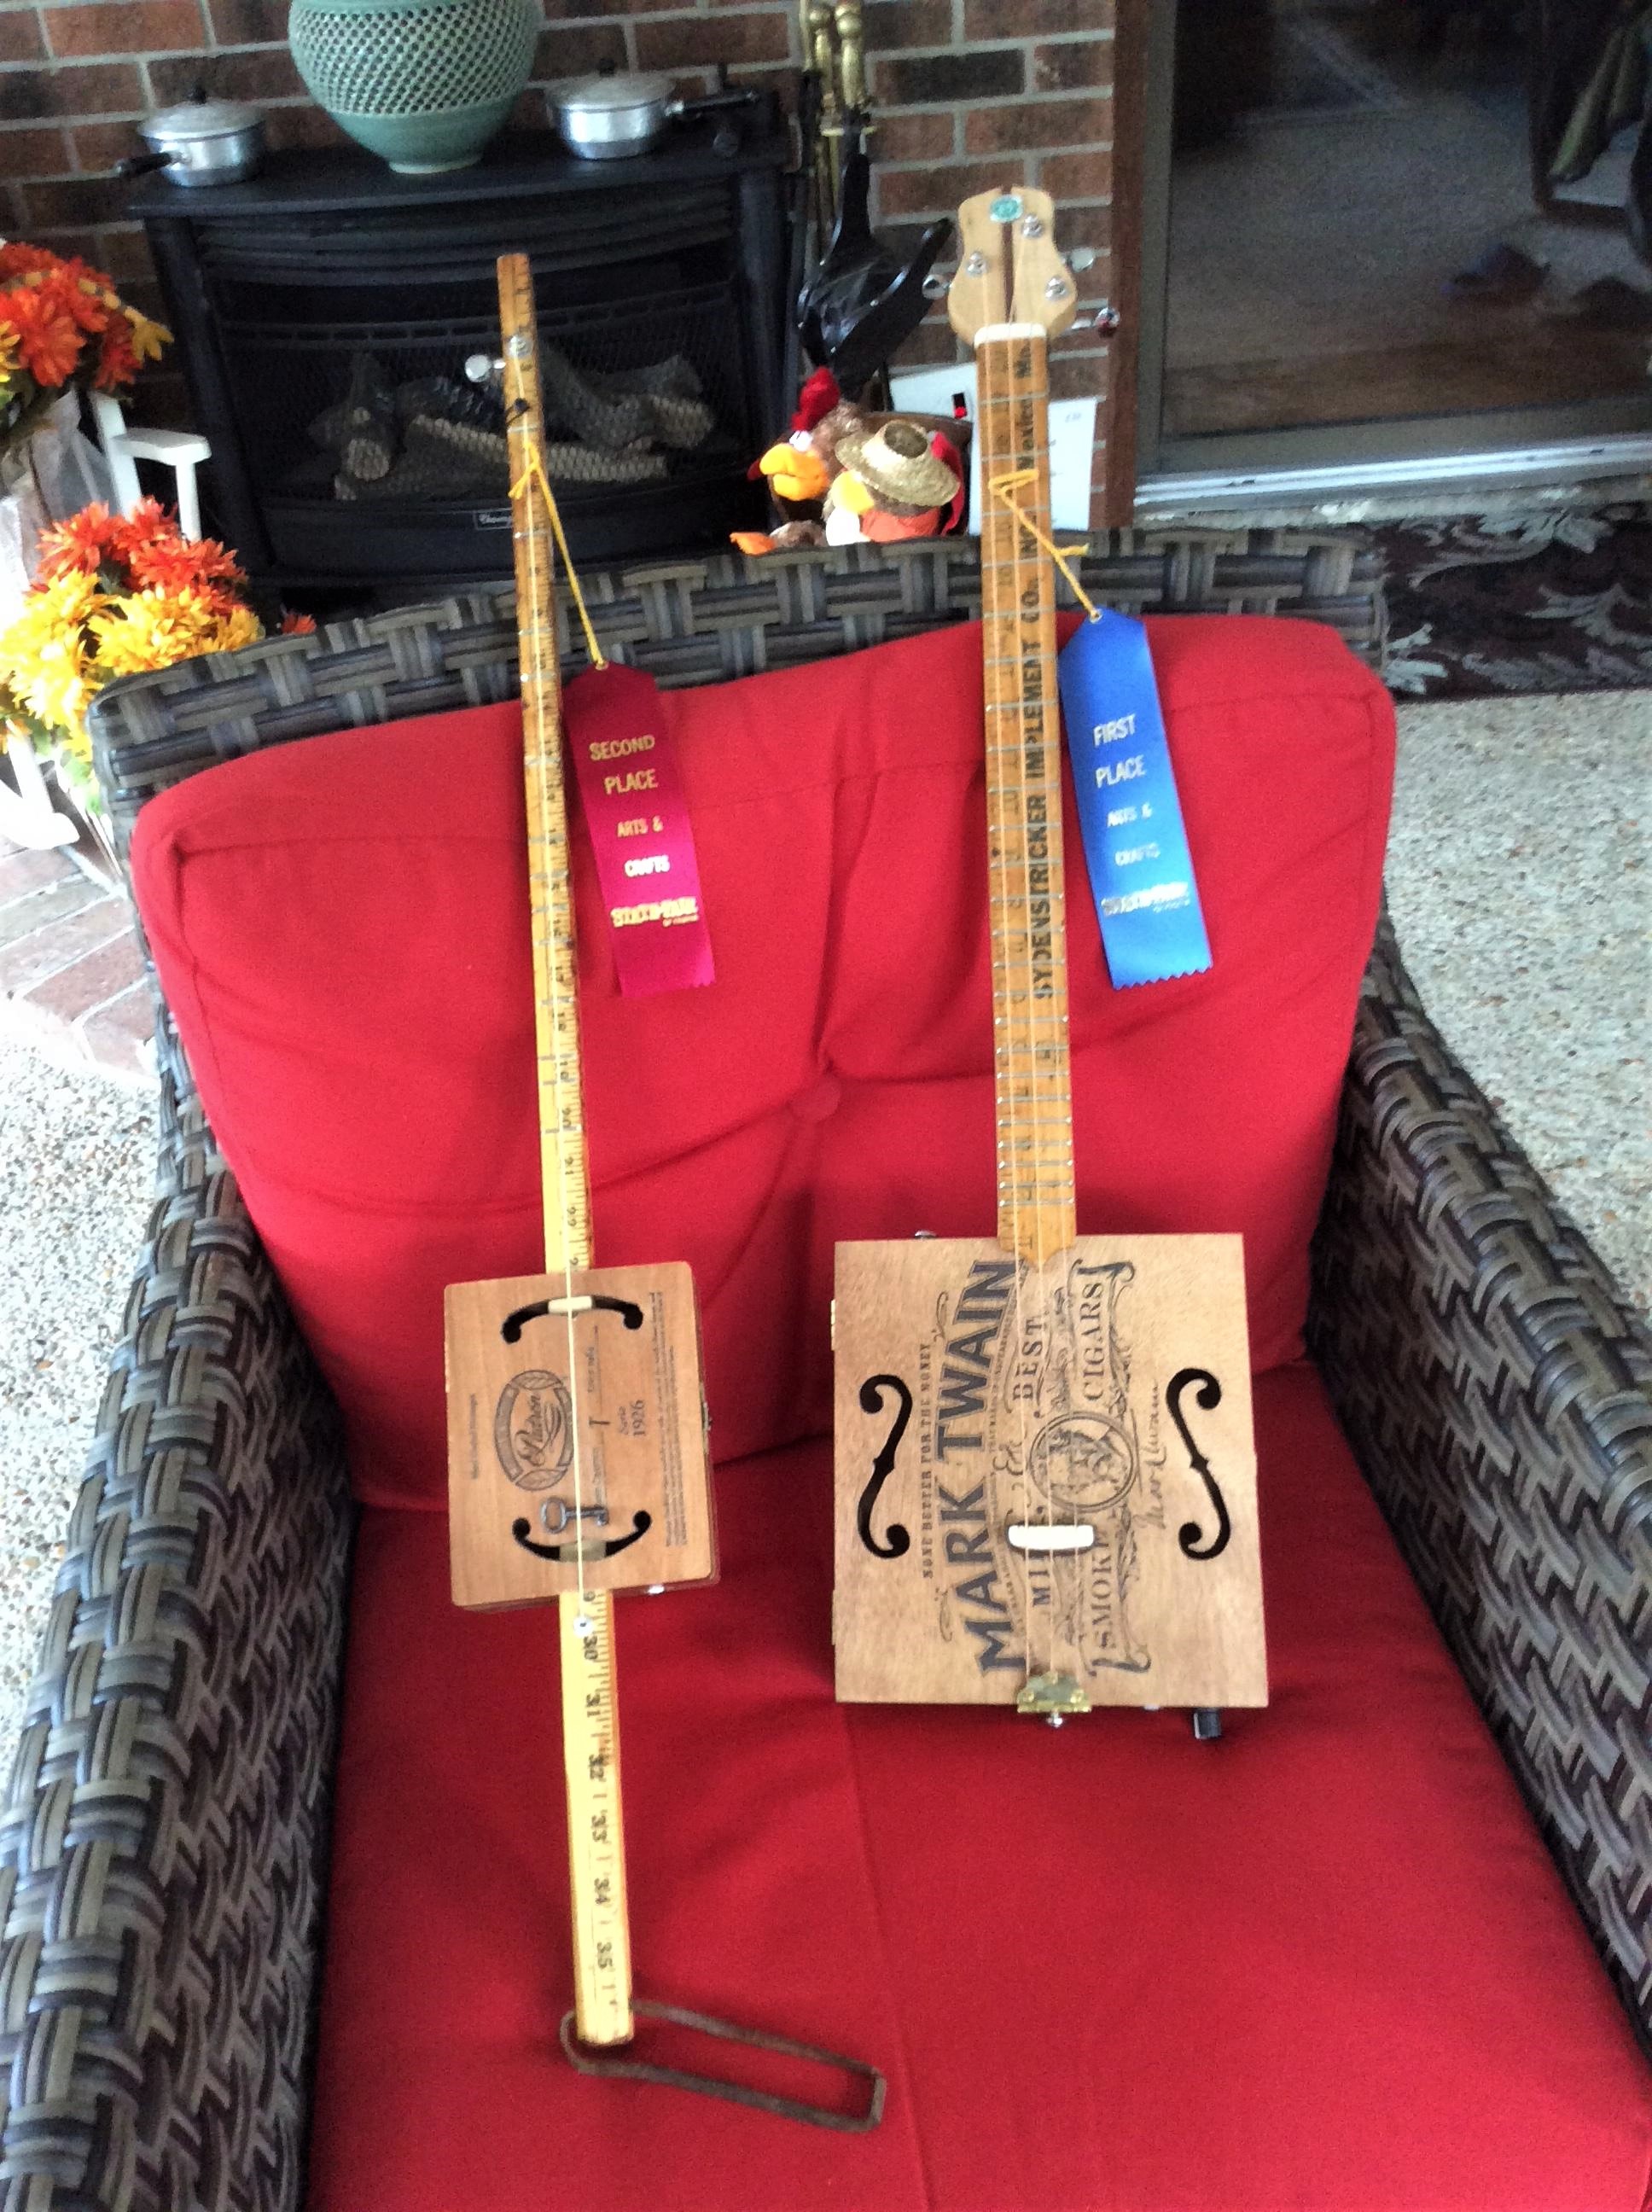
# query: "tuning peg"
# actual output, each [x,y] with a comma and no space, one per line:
[483,368]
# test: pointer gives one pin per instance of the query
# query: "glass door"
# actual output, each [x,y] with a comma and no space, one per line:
[1384,234]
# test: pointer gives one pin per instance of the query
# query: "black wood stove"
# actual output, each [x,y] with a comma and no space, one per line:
[325,312]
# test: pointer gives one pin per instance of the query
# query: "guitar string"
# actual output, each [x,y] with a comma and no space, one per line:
[1003,487]
[1030,401]
[1051,726]
[1000,397]
[996,783]
[542,608]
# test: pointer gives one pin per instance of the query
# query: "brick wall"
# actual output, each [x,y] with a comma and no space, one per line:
[970,93]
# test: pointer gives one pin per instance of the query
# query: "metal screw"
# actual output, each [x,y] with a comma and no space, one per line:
[517,347]
[1057,288]
[1032,227]
[976,265]
[1055,1719]
[656,1589]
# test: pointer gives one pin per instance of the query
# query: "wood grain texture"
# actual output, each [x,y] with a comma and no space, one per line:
[563,1167]
[564,1436]
[1036,1204]
[1038,1399]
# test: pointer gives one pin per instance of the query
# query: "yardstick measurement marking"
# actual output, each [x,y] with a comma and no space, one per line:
[1036,1211]
[596,1835]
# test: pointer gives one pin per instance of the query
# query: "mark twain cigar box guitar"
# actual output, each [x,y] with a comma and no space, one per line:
[1045,1476]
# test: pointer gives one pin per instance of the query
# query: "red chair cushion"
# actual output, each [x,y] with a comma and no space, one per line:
[341,929]
[1325,1963]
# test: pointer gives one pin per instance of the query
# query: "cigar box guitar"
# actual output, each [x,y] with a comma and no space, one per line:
[576,1421]
[1045,1479]
[577,1463]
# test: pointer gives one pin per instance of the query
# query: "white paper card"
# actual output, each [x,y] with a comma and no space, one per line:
[1072,439]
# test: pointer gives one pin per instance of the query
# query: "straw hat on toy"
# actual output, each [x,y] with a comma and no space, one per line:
[897,467]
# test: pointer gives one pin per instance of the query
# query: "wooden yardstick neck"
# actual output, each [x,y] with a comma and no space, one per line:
[546,1494]
[567,1179]
[602,1944]
[1036,1206]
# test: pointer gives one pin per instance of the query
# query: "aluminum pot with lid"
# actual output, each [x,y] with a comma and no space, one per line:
[619,113]
[201,141]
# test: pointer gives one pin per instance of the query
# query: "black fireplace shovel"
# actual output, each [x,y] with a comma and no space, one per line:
[860,302]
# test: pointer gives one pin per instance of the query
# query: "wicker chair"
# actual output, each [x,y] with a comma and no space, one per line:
[163,1850]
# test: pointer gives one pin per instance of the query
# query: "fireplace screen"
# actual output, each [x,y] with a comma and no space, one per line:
[646,392]
[362,446]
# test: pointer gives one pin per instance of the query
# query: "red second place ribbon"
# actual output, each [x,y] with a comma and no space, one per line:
[637,814]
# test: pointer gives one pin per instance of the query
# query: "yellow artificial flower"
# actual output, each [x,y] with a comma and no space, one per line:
[49,612]
[147,338]
[152,629]
[44,653]
[9,351]
[240,626]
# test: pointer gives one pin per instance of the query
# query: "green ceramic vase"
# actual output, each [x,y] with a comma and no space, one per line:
[425,84]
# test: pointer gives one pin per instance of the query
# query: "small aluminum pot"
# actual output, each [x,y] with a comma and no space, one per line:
[612,116]
[201,141]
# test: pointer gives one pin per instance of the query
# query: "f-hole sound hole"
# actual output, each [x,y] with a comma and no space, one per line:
[1208,1395]
[511,1327]
[521,1530]
[897,1540]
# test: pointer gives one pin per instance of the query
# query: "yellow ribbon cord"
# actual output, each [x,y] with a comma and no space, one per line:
[535,473]
[1004,488]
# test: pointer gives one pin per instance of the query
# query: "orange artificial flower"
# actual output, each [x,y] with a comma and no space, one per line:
[149,518]
[77,292]
[17,259]
[43,297]
[46,338]
[116,362]
[293,625]
[79,546]
[162,560]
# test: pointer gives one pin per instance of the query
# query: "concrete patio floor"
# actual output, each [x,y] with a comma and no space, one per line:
[1521,885]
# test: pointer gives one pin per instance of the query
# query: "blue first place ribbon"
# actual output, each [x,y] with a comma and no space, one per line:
[1140,869]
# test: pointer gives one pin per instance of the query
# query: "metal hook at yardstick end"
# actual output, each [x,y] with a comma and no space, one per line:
[735,2092]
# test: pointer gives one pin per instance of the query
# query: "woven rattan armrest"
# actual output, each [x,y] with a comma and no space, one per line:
[162,1843]
[1498,1392]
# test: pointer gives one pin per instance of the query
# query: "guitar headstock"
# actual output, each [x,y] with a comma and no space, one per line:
[1009,271]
